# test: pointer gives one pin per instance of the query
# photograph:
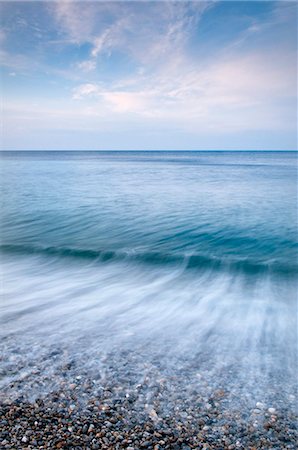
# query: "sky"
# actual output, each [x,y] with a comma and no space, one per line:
[148,75]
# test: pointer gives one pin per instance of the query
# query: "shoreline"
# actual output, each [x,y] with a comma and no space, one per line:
[159,417]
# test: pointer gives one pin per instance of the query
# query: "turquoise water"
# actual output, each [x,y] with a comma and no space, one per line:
[181,255]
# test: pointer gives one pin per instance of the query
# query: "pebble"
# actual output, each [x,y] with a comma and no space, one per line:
[260,405]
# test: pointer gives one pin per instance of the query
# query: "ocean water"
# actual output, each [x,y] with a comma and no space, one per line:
[139,265]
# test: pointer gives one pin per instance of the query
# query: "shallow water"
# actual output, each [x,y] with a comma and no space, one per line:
[181,264]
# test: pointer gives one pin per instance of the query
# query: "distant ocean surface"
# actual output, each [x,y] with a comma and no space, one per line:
[186,258]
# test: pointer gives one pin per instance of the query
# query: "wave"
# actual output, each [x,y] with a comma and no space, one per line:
[189,260]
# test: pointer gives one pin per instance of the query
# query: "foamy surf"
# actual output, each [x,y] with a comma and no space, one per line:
[168,303]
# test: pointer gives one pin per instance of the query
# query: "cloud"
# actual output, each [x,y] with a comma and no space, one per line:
[116,101]
[76,21]
[147,64]
[110,38]
[145,31]
[87,66]
[122,102]
[85,90]
[239,91]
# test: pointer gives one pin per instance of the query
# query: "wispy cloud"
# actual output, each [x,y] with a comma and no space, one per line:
[146,31]
[152,65]
[87,66]
[196,96]
[85,90]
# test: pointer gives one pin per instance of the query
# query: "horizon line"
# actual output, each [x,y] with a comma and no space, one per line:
[147,150]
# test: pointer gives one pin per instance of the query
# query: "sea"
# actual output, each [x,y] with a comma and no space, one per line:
[141,265]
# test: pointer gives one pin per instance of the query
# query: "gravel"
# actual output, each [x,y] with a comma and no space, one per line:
[134,404]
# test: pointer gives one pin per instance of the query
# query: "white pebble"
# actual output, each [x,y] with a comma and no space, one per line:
[260,405]
[272,410]
[153,415]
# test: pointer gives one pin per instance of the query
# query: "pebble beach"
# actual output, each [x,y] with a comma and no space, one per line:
[121,410]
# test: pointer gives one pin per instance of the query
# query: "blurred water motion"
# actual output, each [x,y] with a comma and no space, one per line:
[187,260]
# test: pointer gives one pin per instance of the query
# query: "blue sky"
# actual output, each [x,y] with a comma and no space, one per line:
[149,75]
